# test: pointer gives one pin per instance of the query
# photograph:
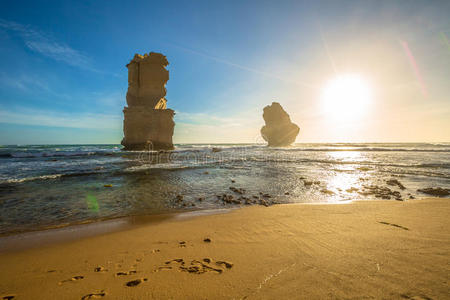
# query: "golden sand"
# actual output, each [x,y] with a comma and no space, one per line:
[379,249]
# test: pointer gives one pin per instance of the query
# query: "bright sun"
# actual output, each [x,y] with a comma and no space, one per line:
[346,97]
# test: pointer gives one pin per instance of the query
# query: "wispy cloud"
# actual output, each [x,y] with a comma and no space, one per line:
[27,116]
[28,83]
[109,99]
[44,44]
[245,68]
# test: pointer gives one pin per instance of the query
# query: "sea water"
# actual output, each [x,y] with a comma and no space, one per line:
[53,185]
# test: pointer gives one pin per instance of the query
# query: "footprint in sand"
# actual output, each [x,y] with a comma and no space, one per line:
[226,264]
[178,260]
[100,269]
[415,297]
[199,267]
[94,295]
[167,263]
[74,278]
[395,225]
[126,273]
[196,266]
[135,282]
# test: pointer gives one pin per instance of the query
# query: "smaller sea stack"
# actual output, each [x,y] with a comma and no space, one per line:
[279,131]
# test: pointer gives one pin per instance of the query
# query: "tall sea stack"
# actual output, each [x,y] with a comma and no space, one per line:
[148,124]
[279,131]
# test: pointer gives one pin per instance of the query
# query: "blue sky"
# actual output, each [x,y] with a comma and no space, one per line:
[63,77]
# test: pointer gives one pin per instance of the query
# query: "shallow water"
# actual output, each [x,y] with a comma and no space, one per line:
[62,184]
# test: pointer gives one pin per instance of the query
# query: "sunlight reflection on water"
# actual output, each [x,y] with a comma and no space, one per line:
[345,178]
[348,156]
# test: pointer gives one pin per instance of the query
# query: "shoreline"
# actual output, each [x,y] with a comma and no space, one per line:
[23,240]
[53,234]
[374,249]
[67,232]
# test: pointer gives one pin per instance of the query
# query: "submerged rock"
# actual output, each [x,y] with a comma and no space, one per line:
[237,190]
[179,198]
[263,199]
[351,190]
[440,192]
[327,191]
[393,182]
[279,130]
[380,192]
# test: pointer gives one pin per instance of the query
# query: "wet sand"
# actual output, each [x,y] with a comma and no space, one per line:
[376,249]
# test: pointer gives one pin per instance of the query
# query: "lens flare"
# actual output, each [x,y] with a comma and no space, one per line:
[445,40]
[92,203]
[413,64]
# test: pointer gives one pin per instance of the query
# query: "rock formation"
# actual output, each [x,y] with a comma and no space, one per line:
[147,123]
[279,130]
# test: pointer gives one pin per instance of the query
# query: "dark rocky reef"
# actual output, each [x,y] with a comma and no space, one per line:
[148,124]
[279,131]
[439,192]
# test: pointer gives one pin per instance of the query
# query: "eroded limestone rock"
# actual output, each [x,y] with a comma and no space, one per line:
[148,125]
[147,78]
[279,130]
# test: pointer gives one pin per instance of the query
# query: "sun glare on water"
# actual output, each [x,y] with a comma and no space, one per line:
[346,97]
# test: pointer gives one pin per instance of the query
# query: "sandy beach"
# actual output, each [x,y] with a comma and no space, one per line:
[370,250]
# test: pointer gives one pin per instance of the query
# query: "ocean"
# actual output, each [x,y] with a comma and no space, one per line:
[43,186]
